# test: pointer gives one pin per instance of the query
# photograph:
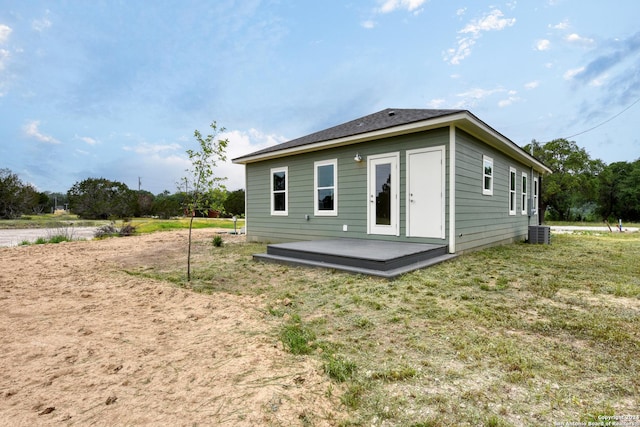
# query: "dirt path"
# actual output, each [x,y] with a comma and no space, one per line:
[84,343]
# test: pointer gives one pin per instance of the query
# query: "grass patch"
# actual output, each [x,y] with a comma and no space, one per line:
[512,335]
[150,225]
[296,337]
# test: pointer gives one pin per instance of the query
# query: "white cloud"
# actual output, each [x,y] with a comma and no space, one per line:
[4,55]
[240,144]
[561,25]
[532,85]
[575,38]
[392,5]
[543,44]
[508,101]
[570,74]
[436,103]
[32,131]
[88,140]
[41,24]
[5,31]
[599,81]
[461,11]
[492,21]
[368,24]
[146,148]
[478,93]
[471,97]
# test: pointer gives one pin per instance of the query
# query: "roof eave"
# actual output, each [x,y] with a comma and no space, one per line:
[463,120]
[354,139]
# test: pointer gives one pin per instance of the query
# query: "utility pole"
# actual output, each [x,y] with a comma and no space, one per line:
[139,184]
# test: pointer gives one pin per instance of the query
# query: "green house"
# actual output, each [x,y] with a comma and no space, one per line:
[441,177]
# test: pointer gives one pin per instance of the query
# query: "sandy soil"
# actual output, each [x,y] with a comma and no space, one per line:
[84,343]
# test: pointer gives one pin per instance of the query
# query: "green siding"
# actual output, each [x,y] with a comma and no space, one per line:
[352,192]
[483,220]
[480,220]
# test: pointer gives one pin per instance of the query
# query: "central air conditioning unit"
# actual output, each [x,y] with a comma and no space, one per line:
[539,234]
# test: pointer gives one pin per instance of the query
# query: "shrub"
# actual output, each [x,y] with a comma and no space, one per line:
[107,230]
[217,241]
[127,230]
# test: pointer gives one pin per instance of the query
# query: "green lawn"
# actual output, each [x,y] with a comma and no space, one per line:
[143,225]
[512,335]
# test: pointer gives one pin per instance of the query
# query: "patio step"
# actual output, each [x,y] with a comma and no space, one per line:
[372,257]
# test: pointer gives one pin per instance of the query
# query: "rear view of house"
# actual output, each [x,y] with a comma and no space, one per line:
[439,177]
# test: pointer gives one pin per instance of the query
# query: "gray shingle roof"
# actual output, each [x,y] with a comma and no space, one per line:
[384,119]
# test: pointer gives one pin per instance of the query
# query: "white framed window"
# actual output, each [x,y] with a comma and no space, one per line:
[325,187]
[279,191]
[487,175]
[523,198]
[512,191]
[534,208]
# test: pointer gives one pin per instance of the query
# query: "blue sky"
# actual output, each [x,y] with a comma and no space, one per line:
[115,89]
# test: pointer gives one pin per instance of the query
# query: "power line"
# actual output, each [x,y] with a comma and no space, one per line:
[605,122]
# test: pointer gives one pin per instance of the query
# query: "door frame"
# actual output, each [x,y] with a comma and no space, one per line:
[441,149]
[394,228]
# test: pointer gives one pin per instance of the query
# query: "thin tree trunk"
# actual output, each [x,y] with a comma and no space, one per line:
[189,251]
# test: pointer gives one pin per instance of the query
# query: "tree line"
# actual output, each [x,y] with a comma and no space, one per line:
[585,189]
[100,198]
[579,189]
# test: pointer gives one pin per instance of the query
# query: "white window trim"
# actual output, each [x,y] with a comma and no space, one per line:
[285,212]
[523,197]
[512,191]
[487,191]
[534,208]
[316,211]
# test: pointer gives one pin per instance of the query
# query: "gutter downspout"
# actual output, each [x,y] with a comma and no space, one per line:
[452,189]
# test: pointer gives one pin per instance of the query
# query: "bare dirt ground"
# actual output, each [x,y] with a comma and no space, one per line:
[84,343]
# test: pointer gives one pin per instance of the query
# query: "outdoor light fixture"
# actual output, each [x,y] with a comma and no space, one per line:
[358,158]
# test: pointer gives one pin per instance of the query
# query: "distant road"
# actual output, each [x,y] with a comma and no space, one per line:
[578,228]
[13,237]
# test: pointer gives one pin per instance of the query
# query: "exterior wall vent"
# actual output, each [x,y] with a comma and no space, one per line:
[540,234]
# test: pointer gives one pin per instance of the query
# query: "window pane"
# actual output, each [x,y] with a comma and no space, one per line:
[279,201]
[487,168]
[279,181]
[325,200]
[325,176]
[383,194]
[487,183]
[513,181]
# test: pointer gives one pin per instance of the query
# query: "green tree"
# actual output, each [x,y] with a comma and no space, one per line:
[12,195]
[201,177]
[100,198]
[234,204]
[573,183]
[619,191]
[144,203]
[167,205]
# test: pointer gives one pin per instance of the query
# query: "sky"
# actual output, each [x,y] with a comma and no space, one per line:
[115,89]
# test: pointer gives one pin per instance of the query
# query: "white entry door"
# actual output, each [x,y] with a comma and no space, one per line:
[426,192]
[384,186]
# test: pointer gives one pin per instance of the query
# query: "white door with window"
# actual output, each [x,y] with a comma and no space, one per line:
[426,192]
[384,185]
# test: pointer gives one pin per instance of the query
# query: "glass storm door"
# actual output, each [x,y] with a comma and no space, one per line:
[384,204]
